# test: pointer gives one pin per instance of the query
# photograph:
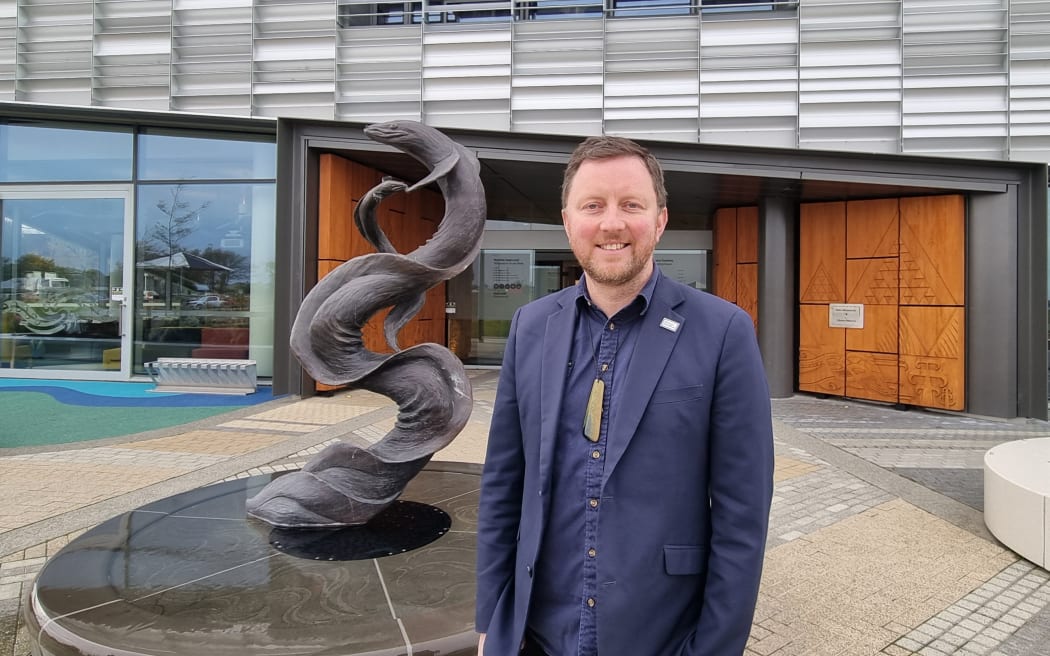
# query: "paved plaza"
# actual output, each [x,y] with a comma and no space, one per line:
[877,544]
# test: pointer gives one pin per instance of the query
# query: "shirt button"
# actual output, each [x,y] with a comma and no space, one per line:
[596,454]
[590,602]
[612,326]
[592,552]
[593,503]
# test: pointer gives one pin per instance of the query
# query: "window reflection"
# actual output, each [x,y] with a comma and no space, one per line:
[60,258]
[203,283]
[36,152]
[170,157]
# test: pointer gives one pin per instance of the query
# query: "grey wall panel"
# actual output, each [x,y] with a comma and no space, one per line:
[850,75]
[132,53]
[749,79]
[54,47]
[956,78]
[466,76]
[1029,80]
[211,59]
[293,58]
[652,83]
[8,48]
[557,76]
[380,73]
[991,304]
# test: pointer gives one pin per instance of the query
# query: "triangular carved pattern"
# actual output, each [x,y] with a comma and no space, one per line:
[878,282]
[888,242]
[887,336]
[921,280]
[947,341]
[821,287]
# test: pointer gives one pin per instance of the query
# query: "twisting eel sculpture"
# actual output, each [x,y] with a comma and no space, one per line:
[346,485]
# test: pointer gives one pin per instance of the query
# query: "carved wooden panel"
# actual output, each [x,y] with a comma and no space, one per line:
[872,281]
[747,235]
[871,375]
[932,331]
[933,250]
[932,382]
[725,253]
[822,253]
[879,334]
[747,290]
[821,352]
[932,348]
[871,228]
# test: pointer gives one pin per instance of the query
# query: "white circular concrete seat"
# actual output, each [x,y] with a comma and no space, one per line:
[1017,497]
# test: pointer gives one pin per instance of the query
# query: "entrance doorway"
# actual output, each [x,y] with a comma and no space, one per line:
[64,286]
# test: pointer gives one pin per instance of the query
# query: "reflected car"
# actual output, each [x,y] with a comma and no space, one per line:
[209,301]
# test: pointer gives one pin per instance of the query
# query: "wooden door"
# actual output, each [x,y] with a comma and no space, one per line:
[822,280]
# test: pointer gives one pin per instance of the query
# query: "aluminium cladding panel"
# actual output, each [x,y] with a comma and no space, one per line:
[850,75]
[1029,81]
[557,81]
[749,80]
[652,86]
[132,54]
[466,76]
[956,78]
[293,54]
[379,73]
[211,64]
[8,30]
[53,52]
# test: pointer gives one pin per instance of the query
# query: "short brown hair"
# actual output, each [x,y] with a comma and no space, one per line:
[607,147]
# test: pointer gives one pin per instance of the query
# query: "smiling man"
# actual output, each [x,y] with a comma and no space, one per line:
[626,490]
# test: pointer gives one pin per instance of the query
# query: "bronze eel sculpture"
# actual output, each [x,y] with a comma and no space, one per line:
[346,485]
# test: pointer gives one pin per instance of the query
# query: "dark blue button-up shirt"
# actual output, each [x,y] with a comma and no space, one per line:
[566,592]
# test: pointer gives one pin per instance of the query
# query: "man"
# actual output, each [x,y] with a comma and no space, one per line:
[626,490]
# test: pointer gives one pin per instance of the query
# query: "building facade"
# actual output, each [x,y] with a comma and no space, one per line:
[170,108]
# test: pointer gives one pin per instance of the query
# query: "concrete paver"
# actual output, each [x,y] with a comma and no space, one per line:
[875,544]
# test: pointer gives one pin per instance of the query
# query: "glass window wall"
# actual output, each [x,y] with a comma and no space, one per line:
[202,232]
[33,152]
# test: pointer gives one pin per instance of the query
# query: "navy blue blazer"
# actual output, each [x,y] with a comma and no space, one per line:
[685,492]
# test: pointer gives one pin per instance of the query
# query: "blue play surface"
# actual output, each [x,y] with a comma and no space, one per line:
[127,394]
[37,412]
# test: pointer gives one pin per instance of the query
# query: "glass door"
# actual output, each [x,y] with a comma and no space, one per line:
[64,284]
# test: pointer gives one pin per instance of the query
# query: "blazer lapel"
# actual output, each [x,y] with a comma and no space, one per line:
[557,347]
[651,353]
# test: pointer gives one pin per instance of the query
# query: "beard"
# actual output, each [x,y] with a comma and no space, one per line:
[615,274]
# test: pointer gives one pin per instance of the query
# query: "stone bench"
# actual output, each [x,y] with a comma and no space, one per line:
[203,375]
[1017,497]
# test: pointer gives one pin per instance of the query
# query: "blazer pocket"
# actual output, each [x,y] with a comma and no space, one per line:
[680,559]
[678,394]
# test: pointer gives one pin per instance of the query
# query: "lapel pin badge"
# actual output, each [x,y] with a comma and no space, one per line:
[669,324]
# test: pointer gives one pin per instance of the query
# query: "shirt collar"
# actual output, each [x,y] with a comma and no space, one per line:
[642,301]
